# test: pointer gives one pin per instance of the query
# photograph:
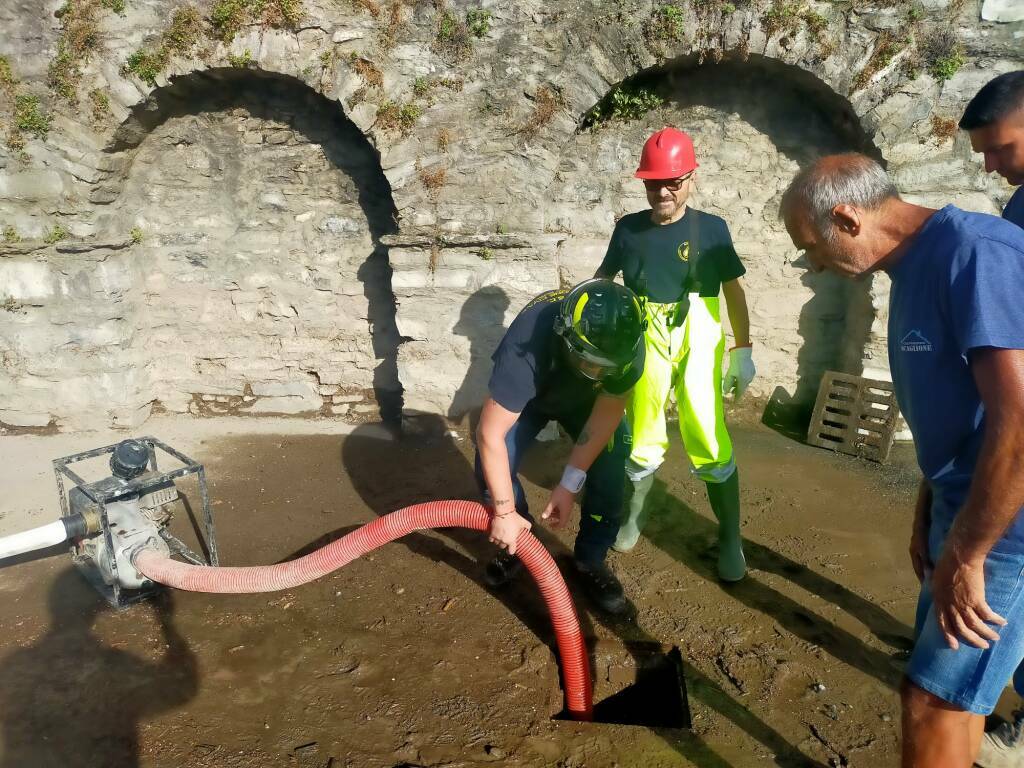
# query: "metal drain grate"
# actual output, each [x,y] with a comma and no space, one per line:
[854,415]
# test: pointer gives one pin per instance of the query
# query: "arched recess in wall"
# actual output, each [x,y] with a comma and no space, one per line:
[262,284]
[755,121]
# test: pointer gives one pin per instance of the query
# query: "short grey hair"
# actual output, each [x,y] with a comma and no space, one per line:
[847,179]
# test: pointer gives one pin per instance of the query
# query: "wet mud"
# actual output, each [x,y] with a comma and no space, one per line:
[404,658]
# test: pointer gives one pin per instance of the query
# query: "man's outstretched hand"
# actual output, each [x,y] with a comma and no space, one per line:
[559,508]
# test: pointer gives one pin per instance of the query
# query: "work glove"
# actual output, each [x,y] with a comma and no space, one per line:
[741,372]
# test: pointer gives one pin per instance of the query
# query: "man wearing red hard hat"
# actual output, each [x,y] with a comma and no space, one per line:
[679,259]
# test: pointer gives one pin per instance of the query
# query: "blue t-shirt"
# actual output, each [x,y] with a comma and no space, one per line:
[531,367]
[1014,210]
[956,289]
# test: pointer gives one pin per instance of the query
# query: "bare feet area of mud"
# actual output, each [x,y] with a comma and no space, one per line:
[404,658]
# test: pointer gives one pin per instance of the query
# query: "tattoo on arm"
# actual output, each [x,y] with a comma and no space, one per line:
[502,502]
[584,437]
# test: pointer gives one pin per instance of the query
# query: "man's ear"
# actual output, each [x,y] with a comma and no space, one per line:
[847,219]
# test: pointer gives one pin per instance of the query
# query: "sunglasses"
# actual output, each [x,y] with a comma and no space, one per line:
[672,185]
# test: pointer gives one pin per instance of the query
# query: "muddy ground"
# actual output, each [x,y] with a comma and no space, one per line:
[404,658]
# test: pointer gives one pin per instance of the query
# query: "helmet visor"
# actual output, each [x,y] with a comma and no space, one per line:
[595,367]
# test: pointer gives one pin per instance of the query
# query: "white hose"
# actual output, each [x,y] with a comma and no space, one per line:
[35,538]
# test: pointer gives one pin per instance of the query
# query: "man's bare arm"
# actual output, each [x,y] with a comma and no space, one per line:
[997,488]
[495,422]
[995,497]
[739,315]
[596,434]
[605,416]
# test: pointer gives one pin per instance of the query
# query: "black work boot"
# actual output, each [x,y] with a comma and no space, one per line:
[502,569]
[603,587]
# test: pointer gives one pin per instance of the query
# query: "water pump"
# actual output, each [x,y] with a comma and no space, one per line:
[108,521]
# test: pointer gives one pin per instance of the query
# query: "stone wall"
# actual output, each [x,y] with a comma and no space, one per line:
[344,213]
[256,208]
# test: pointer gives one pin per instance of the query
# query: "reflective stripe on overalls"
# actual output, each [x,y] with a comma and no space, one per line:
[688,359]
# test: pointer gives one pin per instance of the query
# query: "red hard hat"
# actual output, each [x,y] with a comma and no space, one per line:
[668,154]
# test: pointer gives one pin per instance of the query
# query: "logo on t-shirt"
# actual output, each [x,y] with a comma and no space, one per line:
[683,251]
[915,342]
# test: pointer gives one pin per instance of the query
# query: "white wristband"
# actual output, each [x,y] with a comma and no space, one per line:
[573,478]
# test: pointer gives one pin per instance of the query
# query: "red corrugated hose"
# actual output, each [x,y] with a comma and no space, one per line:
[435,514]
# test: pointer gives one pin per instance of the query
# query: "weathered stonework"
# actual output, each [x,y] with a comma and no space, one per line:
[318,221]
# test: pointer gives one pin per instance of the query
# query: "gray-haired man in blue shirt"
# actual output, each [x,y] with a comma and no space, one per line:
[956,350]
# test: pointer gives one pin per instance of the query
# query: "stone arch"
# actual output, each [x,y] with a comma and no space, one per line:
[755,121]
[262,283]
[608,55]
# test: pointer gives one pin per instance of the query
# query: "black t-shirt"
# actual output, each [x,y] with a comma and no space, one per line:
[663,262]
[531,366]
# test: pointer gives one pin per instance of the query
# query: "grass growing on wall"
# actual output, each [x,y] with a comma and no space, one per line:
[942,54]
[943,128]
[886,47]
[944,67]
[433,178]
[29,116]
[782,16]
[452,41]
[936,50]
[666,24]
[179,39]
[367,70]
[55,235]
[724,6]
[478,22]
[25,110]
[227,17]
[185,31]
[628,101]
[146,65]
[545,105]
[242,60]
[79,35]
[8,82]
[393,116]
[188,29]
[100,104]
[428,88]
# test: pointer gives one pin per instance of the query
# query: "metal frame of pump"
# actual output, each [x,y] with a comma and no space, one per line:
[116,594]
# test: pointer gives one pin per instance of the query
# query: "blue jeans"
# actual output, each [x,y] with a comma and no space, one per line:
[971,678]
[602,493]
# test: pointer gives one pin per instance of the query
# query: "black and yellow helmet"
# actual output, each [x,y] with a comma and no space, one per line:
[603,325]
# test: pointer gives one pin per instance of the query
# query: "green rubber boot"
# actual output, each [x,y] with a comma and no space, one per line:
[636,515]
[725,503]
